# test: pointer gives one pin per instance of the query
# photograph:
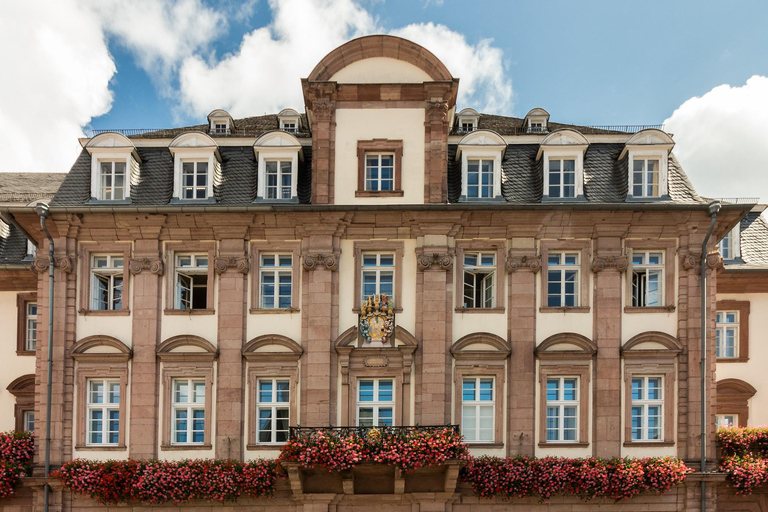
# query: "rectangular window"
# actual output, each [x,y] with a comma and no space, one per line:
[29,421]
[647,409]
[727,334]
[112,181]
[375,402]
[188,411]
[477,409]
[279,179]
[726,420]
[467,127]
[480,179]
[562,178]
[562,409]
[536,128]
[379,172]
[378,274]
[103,412]
[272,408]
[106,282]
[275,281]
[30,320]
[191,281]
[289,126]
[479,288]
[645,178]
[729,245]
[194,180]
[563,279]
[647,279]
[220,129]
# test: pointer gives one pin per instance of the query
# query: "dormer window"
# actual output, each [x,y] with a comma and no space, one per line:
[647,154]
[278,155]
[729,246]
[536,127]
[279,174]
[113,159]
[536,121]
[562,178]
[220,122]
[467,127]
[480,177]
[112,180]
[289,120]
[645,177]
[467,120]
[194,180]
[481,153]
[196,164]
[220,129]
[288,126]
[563,154]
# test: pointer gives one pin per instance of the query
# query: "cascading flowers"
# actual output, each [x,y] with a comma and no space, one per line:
[16,449]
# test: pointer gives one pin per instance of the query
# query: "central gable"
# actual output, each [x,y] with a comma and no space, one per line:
[380,70]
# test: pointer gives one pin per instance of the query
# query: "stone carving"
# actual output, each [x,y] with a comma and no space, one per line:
[377,320]
[221,265]
[313,261]
[619,263]
[442,261]
[692,260]
[136,266]
[437,110]
[41,264]
[532,263]
[376,362]
[322,109]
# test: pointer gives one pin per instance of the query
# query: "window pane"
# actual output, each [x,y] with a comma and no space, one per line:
[468,390]
[366,391]
[385,391]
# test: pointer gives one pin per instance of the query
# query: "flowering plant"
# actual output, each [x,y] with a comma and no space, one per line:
[588,478]
[743,440]
[745,472]
[16,449]
[156,482]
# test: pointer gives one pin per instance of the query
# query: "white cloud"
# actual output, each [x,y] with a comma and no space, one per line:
[721,140]
[56,75]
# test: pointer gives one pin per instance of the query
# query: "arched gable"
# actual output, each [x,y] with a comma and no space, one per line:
[279,139]
[110,140]
[481,343]
[565,137]
[187,347]
[193,140]
[272,347]
[650,136]
[735,387]
[652,342]
[101,348]
[483,138]
[567,344]
[537,111]
[23,386]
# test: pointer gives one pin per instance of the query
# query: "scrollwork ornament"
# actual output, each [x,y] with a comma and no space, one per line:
[437,110]
[222,264]
[322,109]
[328,261]
[138,265]
[41,264]
[619,263]
[440,261]
[532,263]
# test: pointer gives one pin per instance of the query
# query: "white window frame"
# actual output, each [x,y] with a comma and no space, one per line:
[196,172]
[734,250]
[379,180]
[376,404]
[478,405]
[562,268]
[480,153]
[286,122]
[112,174]
[561,404]
[645,403]
[28,421]
[190,272]
[186,155]
[488,281]
[726,420]
[647,269]
[191,405]
[282,154]
[30,325]
[648,154]
[31,251]
[99,155]
[578,161]
[276,272]
[466,126]
[106,407]
[279,188]
[213,129]
[378,270]
[721,330]
[273,406]
[110,272]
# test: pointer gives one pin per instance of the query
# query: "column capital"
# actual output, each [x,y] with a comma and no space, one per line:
[315,261]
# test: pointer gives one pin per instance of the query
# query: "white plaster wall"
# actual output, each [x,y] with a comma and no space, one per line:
[380,70]
[752,372]
[119,327]
[12,366]
[548,324]
[285,324]
[468,323]
[352,125]
[205,326]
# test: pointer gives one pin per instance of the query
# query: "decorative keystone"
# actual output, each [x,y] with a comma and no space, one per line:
[138,265]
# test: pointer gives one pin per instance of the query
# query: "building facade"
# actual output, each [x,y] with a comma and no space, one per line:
[380,259]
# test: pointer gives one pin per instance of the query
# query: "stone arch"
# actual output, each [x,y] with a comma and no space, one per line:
[733,397]
[465,343]
[110,140]
[379,46]
[23,386]
[581,344]
[669,342]
[170,345]
[101,347]
[564,137]
[273,340]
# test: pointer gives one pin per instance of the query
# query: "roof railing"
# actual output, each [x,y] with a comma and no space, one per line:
[159,133]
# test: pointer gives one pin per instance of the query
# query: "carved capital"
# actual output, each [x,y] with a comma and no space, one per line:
[437,110]
[137,265]
[692,261]
[515,263]
[322,109]
[618,263]
[221,265]
[436,260]
[315,261]
[41,264]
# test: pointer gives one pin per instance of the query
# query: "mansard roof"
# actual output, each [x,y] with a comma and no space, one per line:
[753,243]
[245,127]
[27,187]
[13,246]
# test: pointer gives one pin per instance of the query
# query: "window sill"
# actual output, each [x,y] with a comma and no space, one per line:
[480,310]
[108,448]
[273,311]
[728,359]
[264,447]
[25,352]
[379,193]
[565,309]
[484,445]
[189,312]
[649,309]
[647,444]
[105,312]
[182,447]
[544,444]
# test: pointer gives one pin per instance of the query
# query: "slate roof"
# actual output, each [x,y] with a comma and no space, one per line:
[245,127]
[26,187]
[753,244]
[13,245]
[504,125]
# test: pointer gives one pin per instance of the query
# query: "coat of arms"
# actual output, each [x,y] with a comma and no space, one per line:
[377,319]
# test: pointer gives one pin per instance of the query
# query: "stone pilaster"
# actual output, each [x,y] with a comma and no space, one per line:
[320,99]
[436,147]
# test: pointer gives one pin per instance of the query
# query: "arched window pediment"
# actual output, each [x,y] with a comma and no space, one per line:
[23,386]
[101,349]
[187,347]
[272,347]
[650,136]
[481,345]
[277,139]
[566,345]
[652,343]
[482,138]
[563,138]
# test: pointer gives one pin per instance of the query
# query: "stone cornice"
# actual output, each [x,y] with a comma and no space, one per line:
[525,262]
[222,264]
[315,261]
[154,265]
[617,263]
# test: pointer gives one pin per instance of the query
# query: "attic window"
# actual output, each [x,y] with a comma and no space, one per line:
[467,126]
[196,164]
[536,127]
[648,163]
[729,245]
[220,129]
[288,126]
[113,160]
[468,120]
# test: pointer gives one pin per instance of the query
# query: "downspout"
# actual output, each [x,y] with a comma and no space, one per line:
[714,207]
[42,210]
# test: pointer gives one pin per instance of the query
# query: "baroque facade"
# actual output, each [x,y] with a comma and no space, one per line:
[381,259]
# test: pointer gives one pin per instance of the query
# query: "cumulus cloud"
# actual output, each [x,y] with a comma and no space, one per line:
[720,139]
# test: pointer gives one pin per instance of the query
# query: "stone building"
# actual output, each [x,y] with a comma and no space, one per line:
[381,258]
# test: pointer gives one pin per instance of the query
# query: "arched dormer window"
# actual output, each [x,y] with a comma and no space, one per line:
[278,154]
[467,120]
[290,120]
[536,121]
[647,152]
[481,153]
[563,153]
[220,122]
[196,166]
[114,166]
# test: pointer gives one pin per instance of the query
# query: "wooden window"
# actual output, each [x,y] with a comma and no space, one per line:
[379,168]
[273,398]
[112,180]
[375,402]
[480,276]
[480,178]
[102,412]
[279,179]
[194,180]
[562,178]
[651,276]
[26,324]
[28,420]
[726,420]
[732,331]
[565,271]
[191,278]
[645,177]
[275,277]
[378,269]
[647,412]
[105,283]
[187,405]
[562,414]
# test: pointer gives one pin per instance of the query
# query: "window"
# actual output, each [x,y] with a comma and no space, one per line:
[727,334]
[645,177]
[31,251]
[647,409]
[563,279]
[288,126]
[535,127]
[726,420]
[30,321]
[480,179]
[479,269]
[29,421]
[562,178]
[375,402]
[26,323]
[188,411]
[275,281]
[112,180]
[379,172]
[272,408]
[467,126]
[106,282]
[279,174]
[378,274]
[191,281]
[220,128]
[729,245]
[477,409]
[103,412]
[379,168]
[647,279]
[562,409]
[194,180]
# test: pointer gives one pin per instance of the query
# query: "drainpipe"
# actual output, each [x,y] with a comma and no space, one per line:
[714,207]
[42,210]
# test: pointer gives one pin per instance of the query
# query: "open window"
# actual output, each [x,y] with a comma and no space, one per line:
[191,285]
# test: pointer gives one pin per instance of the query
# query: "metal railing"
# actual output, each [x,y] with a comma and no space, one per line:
[172,132]
[587,130]
[304,432]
